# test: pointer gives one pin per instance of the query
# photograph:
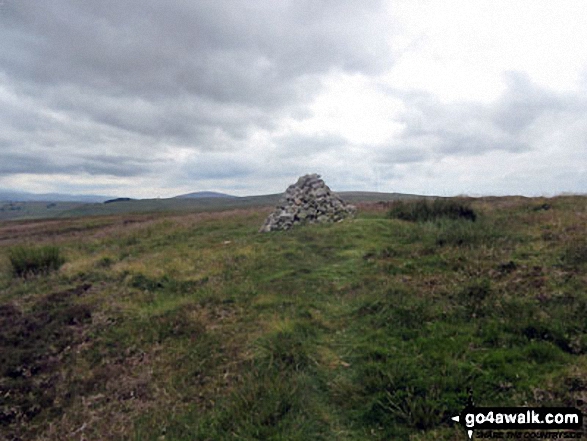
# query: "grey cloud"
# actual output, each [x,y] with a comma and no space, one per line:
[97,76]
[295,145]
[524,103]
[179,120]
[214,167]
[117,165]
[407,155]
[461,129]
[16,163]
[477,144]
[434,129]
[116,87]
[522,117]
[247,52]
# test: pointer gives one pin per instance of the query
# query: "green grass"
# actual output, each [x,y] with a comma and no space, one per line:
[34,210]
[195,326]
[27,260]
[425,210]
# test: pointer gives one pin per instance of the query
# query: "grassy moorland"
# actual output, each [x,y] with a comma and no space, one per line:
[31,210]
[47,210]
[195,326]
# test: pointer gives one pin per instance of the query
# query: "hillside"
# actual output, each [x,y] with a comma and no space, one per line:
[38,210]
[183,326]
[204,194]
[19,196]
[35,210]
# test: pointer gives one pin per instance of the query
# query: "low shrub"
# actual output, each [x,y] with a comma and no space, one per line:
[27,261]
[424,210]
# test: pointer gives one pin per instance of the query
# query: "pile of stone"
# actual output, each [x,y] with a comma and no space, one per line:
[307,201]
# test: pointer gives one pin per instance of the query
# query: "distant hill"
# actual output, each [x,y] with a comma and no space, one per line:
[18,196]
[109,201]
[204,194]
[195,202]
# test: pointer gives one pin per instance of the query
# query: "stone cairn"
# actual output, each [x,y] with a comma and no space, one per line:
[307,201]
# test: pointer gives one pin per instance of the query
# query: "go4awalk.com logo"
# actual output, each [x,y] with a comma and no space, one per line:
[521,422]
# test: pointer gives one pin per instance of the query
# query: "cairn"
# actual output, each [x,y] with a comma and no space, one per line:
[307,201]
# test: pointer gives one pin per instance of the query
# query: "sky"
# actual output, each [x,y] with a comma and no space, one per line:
[158,98]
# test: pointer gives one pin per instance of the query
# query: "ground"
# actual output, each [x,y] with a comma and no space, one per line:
[195,326]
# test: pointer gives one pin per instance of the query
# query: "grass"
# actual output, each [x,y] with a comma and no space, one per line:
[426,210]
[56,210]
[195,326]
[27,260]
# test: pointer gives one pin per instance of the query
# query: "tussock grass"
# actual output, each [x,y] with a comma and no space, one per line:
[426,211]
[27,260]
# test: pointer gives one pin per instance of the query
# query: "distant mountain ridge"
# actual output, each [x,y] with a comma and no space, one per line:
[204,194]
[21,196]
[16,207]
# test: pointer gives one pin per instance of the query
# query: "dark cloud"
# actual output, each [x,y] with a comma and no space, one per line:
[122,166]
[82,78]
[251,52]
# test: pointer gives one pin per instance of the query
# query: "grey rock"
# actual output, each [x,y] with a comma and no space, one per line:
[307,201]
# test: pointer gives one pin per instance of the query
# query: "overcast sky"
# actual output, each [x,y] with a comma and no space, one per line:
[156,98]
